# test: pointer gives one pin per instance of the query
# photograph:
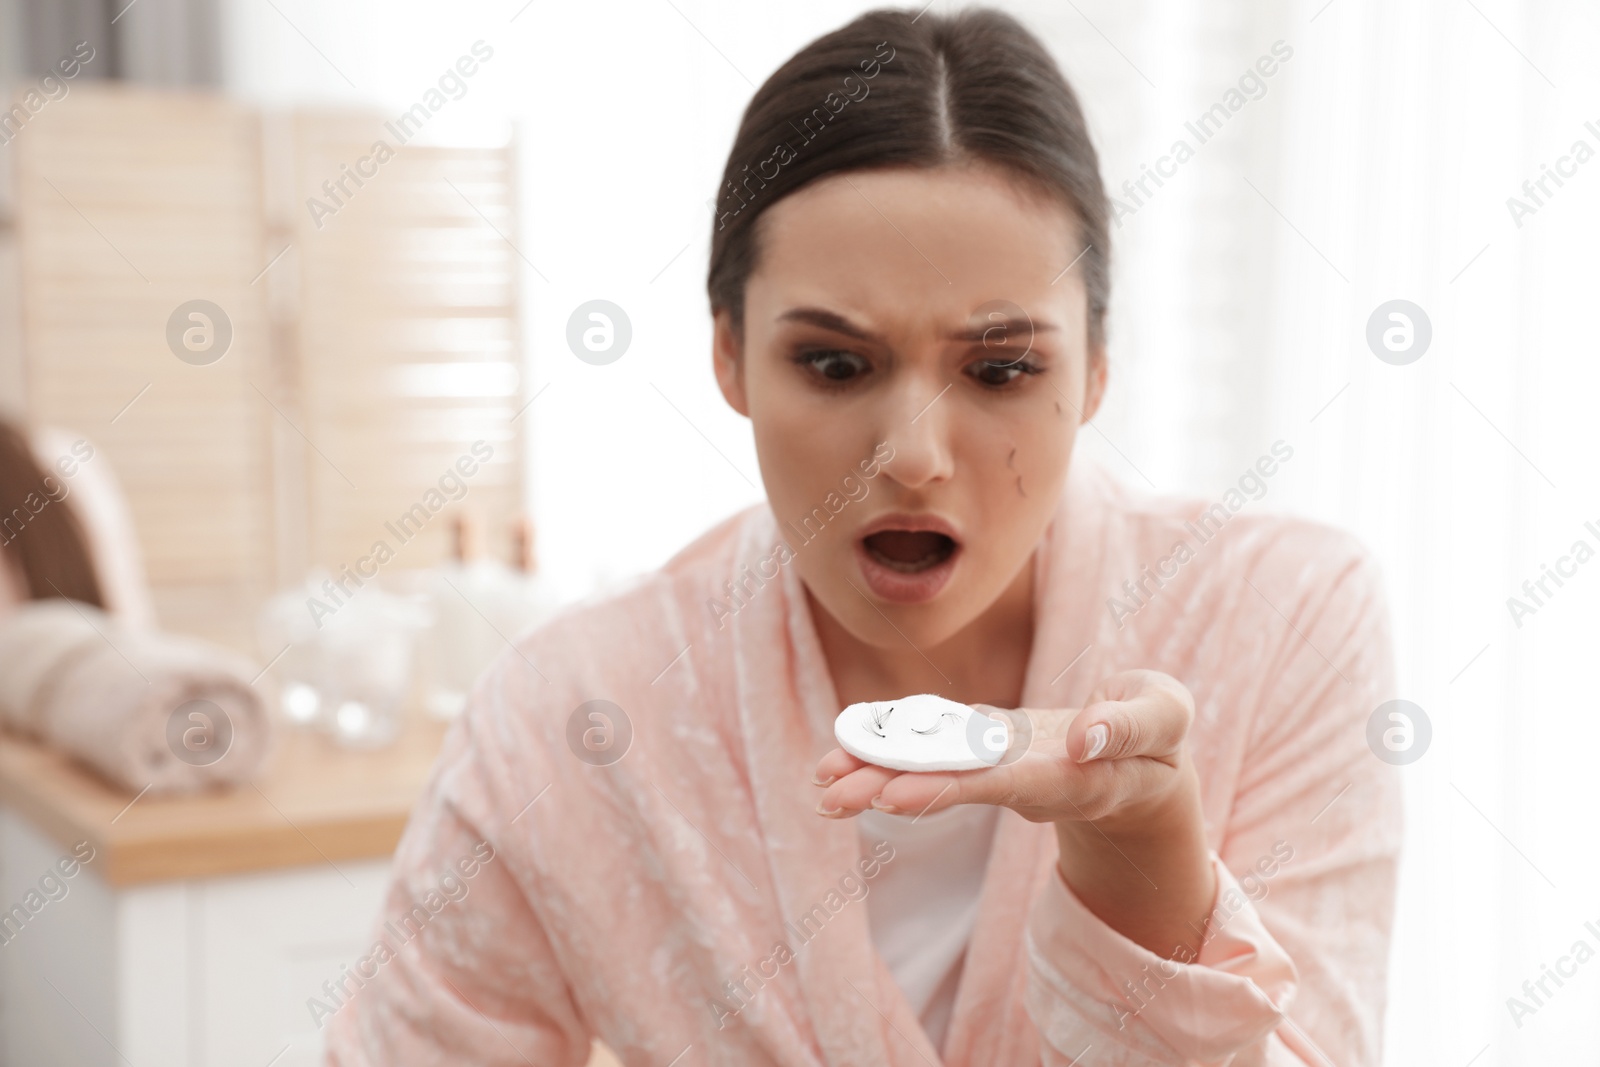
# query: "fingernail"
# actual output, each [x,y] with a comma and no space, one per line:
[829,812]
[826,781]
[887,809]
[1095,741]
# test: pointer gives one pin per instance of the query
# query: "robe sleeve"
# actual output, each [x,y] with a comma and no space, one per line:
[472,976]
[1292,967]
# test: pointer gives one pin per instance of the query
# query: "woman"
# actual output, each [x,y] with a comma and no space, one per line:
[1193,859]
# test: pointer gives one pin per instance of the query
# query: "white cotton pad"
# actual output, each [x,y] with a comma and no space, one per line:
[921,733]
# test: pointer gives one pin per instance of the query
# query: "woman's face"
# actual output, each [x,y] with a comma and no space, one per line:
[915,364]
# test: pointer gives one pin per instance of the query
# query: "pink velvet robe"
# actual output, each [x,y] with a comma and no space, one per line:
[643,901]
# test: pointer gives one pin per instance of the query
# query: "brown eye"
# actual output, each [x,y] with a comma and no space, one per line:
[833,364]
[1000,373]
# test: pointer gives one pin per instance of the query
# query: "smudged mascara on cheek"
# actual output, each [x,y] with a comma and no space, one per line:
[1011,466]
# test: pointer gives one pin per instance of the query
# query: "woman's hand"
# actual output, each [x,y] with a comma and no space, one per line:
[1122,754]
[1116,780]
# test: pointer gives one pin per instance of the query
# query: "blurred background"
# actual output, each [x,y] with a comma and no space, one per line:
[283,339]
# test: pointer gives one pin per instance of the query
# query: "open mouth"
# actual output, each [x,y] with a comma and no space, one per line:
[908,557]
[909,551]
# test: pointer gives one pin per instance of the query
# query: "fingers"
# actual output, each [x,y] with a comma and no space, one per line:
[835,765]
[1042,785]
[1059,762]
[1125,685]
[1025,724]
[1023,780]
[895,792]
[852,793]
[1134,713]
[928,792]
[1027,771]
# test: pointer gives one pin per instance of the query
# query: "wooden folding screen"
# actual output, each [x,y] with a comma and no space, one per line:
[129,204]
[407,337]
[371,346]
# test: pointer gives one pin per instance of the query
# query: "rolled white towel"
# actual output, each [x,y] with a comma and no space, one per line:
[143,708]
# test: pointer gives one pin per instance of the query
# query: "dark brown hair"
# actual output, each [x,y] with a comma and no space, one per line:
[39,531]
[894,88]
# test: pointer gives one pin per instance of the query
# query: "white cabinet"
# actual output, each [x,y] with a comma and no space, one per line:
[211,972]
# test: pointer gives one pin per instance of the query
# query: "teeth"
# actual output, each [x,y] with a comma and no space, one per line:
[906,566]
[910,566]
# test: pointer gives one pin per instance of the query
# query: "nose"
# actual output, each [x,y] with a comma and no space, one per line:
[917,426]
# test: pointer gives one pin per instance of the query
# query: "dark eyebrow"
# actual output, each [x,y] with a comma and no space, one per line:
[1022,327]
[829,320]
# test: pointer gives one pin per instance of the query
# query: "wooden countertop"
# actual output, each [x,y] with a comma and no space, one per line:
[314,802]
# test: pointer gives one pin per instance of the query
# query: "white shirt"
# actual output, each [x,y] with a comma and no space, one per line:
[924,901]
